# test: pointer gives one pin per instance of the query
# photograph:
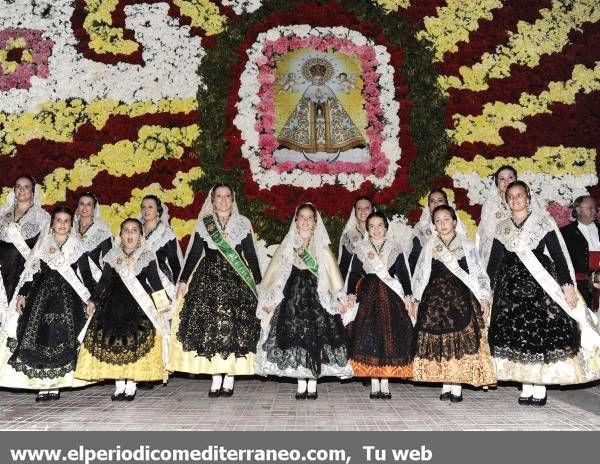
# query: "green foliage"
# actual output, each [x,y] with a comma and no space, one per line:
[426,124]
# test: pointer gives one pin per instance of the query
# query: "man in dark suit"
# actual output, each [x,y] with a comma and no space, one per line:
[581,237]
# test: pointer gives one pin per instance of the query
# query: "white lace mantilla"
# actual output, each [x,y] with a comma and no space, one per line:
[160,236]
[270,291]
[389,254]
[530,235]
[475,278]
[54,256]
[94,236]
[350,240]
[135,264]
[35,221]
[237,229]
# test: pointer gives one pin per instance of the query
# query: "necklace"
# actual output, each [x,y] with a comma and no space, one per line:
[221,225]
[82,233]
[522,223]
[302,248]
[22,215]
[380,250]
[146,235]
[447,245]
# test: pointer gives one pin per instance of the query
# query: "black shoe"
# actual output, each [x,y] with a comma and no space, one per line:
[214,393]
[312,396]
[455,398]
[445,396]
[525,400]
[130,397]
[386,396]
[227,392]
[375,395]
[539,401]
[301,396]
[53,395]
[41,397]
[118,396]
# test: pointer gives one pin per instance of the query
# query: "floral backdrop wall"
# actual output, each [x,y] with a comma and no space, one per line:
[126,98]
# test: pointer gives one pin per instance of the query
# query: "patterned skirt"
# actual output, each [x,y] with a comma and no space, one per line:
[121,342]
[381,335]
[531,338]
[451,337]
[44,353]
[215,331]
[302,340]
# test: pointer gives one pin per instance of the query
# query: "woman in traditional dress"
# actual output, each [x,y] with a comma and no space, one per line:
[354,231]
[493,211]
[22,221]
[538,333]
[160,237]
[215,329]
[454,291]
[381,333]
[93,232]
[40,345]
[424,229]
[299,300]
[127,334]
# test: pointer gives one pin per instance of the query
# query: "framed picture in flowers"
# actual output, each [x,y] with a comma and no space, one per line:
[302,106]
[318,107]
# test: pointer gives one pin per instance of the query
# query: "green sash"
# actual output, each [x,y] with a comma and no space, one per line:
[232,256]
[310,262]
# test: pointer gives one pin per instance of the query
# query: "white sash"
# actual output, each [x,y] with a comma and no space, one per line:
[96,271]
[443,254]
[13,233]
[587,321]
[376,266]
[3,297]
[145,301]
[60,265]
[380,270]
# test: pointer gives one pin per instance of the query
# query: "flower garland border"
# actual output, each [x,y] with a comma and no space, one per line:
[378,93]
[423,138]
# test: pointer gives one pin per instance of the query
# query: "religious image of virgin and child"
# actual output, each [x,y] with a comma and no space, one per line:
[319,123]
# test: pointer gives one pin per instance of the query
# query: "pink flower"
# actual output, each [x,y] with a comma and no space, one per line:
[280,46]
[266,163]
[261,60]
[297,42]
[266,75]
[285,166]
[560,213]
[268,142]
[39,49]
[268,121]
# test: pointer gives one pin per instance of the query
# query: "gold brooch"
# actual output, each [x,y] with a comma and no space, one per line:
[52,249]
[119,261]
[211,228]
[498,214]
[439,248]
[371,255]
[506,230]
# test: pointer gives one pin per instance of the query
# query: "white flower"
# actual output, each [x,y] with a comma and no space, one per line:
[248,109]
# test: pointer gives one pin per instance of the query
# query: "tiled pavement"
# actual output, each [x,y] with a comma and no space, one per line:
[269,405]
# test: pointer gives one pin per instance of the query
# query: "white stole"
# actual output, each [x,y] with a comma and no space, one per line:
[18,241]
[145,301]
[59,264]
[587,321]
